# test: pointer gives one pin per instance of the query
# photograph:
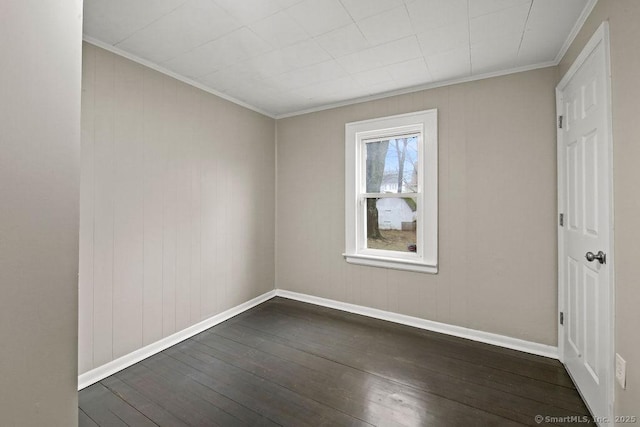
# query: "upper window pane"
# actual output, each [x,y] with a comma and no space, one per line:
[392,165]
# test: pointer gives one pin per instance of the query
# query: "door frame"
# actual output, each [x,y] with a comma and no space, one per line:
[601,35]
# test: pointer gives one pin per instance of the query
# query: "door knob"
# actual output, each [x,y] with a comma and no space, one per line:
[600,256]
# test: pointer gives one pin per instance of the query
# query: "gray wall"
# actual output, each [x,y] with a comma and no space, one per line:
[177,206]
[623,17]
[497,209]
[40,43]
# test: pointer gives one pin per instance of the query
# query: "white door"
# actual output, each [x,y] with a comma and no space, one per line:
[585,200]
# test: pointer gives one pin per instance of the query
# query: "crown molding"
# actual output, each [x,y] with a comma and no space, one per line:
[419,88]
[183,79]
[586,11]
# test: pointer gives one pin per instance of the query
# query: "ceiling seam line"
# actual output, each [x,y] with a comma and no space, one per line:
[151,23]
[202,44]
[524,29]
[469,39]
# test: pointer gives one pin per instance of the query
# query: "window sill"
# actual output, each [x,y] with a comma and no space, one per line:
[393,263]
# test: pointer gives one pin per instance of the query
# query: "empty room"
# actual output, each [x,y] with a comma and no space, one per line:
[319,212]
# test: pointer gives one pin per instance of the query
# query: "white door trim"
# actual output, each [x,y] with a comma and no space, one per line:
[601,35]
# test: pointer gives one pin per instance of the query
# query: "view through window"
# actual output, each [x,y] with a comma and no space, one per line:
[391,186]
[391,192]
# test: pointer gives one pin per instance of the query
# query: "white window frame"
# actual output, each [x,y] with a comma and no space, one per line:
[425,125]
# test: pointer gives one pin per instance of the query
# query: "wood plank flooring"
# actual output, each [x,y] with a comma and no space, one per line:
[287,363]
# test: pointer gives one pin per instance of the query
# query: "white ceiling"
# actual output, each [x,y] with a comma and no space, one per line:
[285,56]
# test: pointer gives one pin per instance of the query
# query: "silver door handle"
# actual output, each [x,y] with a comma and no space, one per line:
[600,256]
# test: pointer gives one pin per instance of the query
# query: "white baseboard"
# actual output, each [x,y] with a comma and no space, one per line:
[127,360]
[457,331]
[110,368]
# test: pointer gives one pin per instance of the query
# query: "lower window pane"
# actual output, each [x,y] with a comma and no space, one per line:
[391,224]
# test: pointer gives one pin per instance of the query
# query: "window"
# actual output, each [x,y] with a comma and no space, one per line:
[392,192]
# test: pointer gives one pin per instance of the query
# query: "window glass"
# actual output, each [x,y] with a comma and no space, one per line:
[396,224]
[392,165]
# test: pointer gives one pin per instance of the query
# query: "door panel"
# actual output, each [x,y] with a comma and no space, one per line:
[589,97]
[575,307]
[573,192]
[591,326]
[591,180]
[585,198]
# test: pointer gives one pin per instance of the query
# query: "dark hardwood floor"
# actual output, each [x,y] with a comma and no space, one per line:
[294,364]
